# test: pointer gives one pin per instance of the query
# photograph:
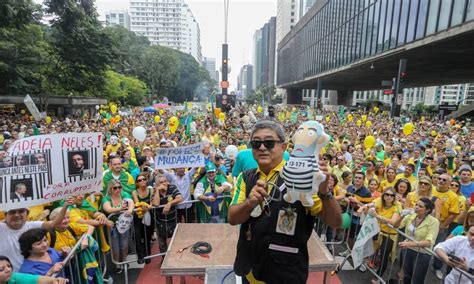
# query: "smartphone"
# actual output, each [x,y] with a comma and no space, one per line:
[453,257]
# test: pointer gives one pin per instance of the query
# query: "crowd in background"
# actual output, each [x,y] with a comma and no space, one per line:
[414,174]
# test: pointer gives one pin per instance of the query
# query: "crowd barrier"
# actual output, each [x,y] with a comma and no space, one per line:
[386,264]
[164,226]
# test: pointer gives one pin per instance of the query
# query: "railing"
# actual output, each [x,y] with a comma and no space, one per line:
[389,258]
[167,230]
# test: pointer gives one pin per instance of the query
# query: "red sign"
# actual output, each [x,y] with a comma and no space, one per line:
[388,92]
[224,84]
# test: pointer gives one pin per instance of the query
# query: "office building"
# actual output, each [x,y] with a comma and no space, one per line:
[244,81]
[117,17]
[210,65]
[169,23]
[264,51]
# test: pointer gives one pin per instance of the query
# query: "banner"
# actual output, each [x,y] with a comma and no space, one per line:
[363,246]
[30,104]
[46,168]
[190,156]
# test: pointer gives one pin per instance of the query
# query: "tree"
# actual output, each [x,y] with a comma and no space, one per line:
[80,49]
[264,93]
[124,89]
[189,78]
[22,47]
[128,48]
[160,70]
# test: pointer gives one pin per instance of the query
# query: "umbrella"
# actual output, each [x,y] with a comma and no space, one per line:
[161,106]
[149,109]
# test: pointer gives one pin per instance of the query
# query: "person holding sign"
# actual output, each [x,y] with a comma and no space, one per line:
[15,224]
[269,248]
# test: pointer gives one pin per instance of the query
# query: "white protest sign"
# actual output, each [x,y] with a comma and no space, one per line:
[30,104]
[46,168]
[190,156]
[363,246]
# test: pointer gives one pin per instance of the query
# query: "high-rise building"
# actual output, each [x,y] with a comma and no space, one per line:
[450,94]
[244,80]
[210,65]
[287,17]
[169,23]
[117,17]
[264,54]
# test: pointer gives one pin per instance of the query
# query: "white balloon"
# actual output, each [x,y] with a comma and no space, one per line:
[231,152]
[97,107]
[139,133]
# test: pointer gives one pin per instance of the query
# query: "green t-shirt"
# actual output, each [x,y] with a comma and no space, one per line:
[23,278]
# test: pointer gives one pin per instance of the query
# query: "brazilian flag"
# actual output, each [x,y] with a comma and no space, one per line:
[90,272]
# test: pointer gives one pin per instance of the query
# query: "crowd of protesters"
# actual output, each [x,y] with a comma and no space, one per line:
[417,179]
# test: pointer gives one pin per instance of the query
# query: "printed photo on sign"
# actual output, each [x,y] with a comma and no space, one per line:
[21,189]
[7,162]
[78,162]
[38,159]
[23,160]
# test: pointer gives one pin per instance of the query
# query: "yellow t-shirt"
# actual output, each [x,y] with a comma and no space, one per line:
[385,183]
[449,203]
[35,213]
[462,206]
[412,179]
[387,213]
[66,239]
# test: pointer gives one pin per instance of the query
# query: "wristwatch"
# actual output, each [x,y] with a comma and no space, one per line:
[326,196]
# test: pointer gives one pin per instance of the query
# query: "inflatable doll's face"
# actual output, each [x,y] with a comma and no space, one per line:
[306,138]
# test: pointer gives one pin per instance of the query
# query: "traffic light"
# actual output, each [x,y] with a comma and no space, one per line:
[402,71]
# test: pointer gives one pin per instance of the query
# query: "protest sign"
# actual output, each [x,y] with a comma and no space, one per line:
[363,246]
[30,104]
[46,168]
[190,156]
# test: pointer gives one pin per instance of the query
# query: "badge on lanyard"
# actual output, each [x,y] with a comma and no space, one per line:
[170,198]
[286,223]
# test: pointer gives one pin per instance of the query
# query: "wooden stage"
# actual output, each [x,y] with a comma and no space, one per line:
[223,239]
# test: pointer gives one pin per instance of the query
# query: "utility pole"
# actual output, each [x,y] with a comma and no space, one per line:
[225,53]
[398,96]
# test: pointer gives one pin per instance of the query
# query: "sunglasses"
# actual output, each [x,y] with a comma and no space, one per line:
[442,179]
[424,183]
[389,194]
[117,187]
[269,144]
[358,178]
[455,184]
[142,179]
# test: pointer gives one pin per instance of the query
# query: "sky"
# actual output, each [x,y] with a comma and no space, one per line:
[245,16]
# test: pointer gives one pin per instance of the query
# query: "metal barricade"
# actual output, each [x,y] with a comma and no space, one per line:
[162,229]
[387,262]
[71,265]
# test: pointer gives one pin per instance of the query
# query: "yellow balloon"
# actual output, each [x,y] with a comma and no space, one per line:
[368,123]
[118,118]
[376,109]
[358,122]
[422,119]
[259,109]
[293,109]
[157,118]
[173,124]
[433,133]
[113,109]
[408,128]
[48,119]
[350,117]
[104,120]
[364,117]
[369,142]
[328,118]
[222,116]
[161,111]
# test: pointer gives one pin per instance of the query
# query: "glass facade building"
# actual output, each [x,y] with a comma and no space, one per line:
[342,32]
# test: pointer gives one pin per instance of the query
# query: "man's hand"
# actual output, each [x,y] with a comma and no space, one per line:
[323,187]
[167,208]
[211,198]
[258,193]
[462,264]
